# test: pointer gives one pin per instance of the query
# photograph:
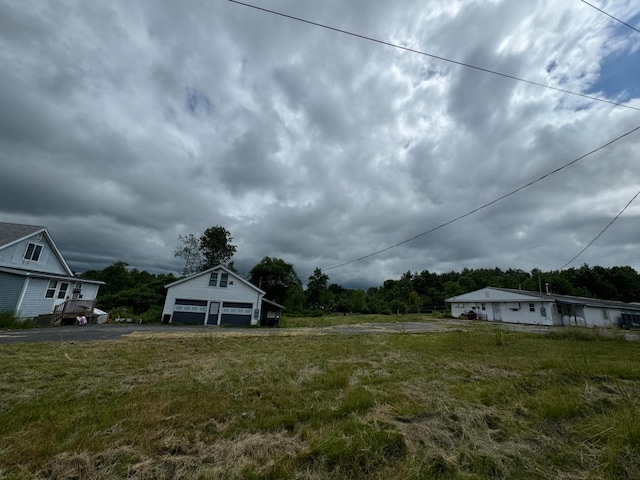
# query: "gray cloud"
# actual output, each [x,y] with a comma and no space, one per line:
[122,126]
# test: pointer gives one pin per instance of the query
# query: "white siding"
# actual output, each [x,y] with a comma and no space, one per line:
[33,302]
[13,256]
[89,290]
[594,317]
[522,315]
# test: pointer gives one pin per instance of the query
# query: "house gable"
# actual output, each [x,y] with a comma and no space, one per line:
[30,248]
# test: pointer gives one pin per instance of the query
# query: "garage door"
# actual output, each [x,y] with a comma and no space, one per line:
[238,314]
[189,311]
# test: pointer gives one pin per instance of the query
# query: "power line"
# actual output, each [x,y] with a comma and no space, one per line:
[483,206]
[444,59]
[604,230]
[611,16]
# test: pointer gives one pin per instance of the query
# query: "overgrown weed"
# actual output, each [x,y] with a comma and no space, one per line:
[472,403]
[9,320]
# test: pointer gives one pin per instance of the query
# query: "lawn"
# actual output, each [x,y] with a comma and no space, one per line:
[472,403]
[330,320]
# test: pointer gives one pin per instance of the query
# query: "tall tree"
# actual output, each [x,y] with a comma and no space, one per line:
[216,247]
[212,248]
[189,250]
[277,278]
[317,293]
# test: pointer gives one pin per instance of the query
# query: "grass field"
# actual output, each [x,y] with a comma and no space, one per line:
[468,404]
[330,320]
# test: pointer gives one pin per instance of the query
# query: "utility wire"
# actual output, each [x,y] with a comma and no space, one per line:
[611,16]
[444,59]
[471,212]
[604,230]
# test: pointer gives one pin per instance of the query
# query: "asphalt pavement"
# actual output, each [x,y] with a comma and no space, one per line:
[106,332]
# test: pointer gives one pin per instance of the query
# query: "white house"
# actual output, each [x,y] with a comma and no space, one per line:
[218,296]
[35,280]
[537,308]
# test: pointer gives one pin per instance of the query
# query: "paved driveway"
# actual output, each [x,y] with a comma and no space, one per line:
[73,333]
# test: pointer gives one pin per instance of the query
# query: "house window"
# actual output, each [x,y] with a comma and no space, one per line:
[51,289]
[605,314]
[532,307]
[224,279]
[33,252]
[484,307]
[559,308]
[213,280]
[63,290]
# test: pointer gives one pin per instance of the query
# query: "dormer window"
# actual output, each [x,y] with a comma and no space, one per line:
[219,280]
[33,252]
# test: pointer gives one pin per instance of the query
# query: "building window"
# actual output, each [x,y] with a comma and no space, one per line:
[51,289]
[605,314]
[63,290]
[224,279]
[484,307]
[213,280]
[33,252]
[559,308]
[532,307]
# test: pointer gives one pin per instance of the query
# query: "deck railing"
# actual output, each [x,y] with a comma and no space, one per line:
[72,309]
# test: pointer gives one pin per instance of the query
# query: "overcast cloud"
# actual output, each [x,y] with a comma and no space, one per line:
[124,124]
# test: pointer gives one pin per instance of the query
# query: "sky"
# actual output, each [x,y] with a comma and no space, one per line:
[125,124]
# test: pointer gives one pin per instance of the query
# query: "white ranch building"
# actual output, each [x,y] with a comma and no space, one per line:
[535,308]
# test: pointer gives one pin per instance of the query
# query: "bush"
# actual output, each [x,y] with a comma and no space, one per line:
[9,320]
[153,315]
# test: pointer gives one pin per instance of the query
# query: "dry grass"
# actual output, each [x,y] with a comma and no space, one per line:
[459,405]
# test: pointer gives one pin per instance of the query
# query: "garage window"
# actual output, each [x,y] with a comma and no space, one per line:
[185,305]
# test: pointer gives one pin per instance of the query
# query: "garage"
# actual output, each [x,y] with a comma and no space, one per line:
[189,311]
[236,314]
[216,296]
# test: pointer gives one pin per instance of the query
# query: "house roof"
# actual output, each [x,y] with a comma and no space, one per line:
[51,276]
[569,299]
[273,304]
[212,269]
[14,232]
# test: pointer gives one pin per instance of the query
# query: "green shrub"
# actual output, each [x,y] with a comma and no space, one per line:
[9,320]
[153,315]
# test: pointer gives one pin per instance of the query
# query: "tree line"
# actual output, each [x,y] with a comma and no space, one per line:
[132,292]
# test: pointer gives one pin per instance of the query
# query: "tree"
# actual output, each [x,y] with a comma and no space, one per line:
[212,248]
[317,292]
[189,250]
[216,247]
[278,279]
